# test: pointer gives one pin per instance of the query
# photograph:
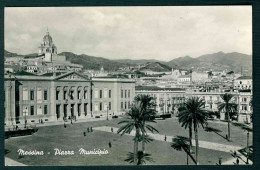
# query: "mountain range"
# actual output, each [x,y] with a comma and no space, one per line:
[217,62]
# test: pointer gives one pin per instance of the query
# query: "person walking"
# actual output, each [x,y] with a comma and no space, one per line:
[237,161]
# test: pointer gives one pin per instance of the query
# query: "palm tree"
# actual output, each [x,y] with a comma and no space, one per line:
[229,107]
[194,111]
[134,119]
[248,129]
[140,156]
[182,143]
[148,110]
[186,123]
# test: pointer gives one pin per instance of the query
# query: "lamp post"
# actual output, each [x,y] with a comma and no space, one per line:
[107,112]
[247,148]
[25,112]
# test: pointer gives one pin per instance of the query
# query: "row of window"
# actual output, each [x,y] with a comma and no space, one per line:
[71,95]
[105,94]
[99,107]
[124,105]
[32,110]
[32,95]
[122,93]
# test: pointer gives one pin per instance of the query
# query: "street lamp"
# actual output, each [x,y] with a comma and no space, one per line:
[107,112]
[25,112]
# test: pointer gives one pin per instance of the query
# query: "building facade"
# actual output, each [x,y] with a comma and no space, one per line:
[46,98]
[58,97]
[112,96]
[169,99]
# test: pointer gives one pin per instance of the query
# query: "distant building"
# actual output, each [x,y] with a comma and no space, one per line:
[243,82]
[199,76]
[184,79]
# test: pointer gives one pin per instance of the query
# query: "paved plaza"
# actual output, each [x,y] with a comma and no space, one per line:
[212,146]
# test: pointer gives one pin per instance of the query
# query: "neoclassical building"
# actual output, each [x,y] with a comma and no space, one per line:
[57,96]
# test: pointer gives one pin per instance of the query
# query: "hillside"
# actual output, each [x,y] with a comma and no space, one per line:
[216,61]
[182,61]
[136,62]
[91,62]
[156,66]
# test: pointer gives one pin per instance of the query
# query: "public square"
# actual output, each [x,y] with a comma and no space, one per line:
[212,146]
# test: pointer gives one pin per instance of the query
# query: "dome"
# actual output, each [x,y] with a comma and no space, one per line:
[47,39]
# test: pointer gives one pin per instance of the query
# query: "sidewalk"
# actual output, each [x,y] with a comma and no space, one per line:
[202,144]
[10,162]
[60,122]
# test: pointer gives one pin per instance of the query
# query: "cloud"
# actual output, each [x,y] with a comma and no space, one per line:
[131,32]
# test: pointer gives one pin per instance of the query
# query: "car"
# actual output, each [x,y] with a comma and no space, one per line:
[114,117]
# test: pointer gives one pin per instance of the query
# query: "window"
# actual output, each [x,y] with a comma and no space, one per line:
[85,108]
[79,109]
[57,95]
[100,93]
[122,93]
[85,94]
[100,106]
[72,94]
[129,93]
[32,110]
[31,95]
[109,94]
[122,105]
[45,110]
[45,95]
[109,106]
[78,94]
[65,94]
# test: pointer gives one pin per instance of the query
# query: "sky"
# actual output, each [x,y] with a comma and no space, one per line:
[161,33]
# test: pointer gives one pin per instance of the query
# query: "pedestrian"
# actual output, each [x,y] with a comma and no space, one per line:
[112,129]
[219,161]
[109,144]
[237,161]
[165,138]
[84,133]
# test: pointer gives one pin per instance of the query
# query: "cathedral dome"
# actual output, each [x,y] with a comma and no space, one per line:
[47,40]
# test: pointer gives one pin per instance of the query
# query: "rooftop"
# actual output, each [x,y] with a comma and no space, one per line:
[155,88]
[244,77]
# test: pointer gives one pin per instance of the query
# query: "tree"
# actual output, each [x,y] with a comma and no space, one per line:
[140,156]
[193,110]
[185,123]
[182,143]
[148,112]
[229,107]
[134,119]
